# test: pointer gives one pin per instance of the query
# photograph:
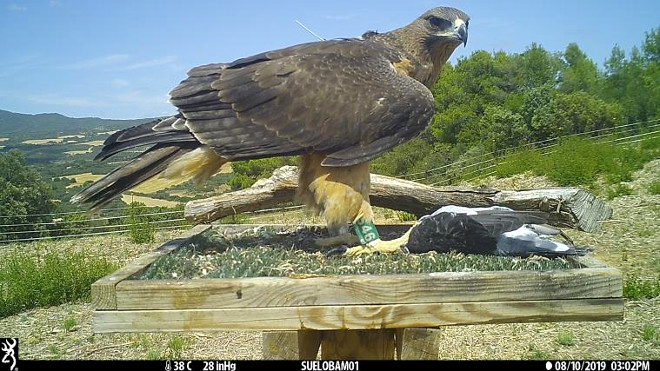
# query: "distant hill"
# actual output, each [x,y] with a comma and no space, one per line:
[24,126]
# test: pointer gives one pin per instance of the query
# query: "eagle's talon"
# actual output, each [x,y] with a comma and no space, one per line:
[337,251]
[378,246]
[342,239]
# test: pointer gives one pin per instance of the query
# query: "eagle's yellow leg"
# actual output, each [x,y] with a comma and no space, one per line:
[380,246]
[338,194]
[341,196]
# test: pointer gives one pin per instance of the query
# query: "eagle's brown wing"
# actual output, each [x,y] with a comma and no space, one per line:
[342,98]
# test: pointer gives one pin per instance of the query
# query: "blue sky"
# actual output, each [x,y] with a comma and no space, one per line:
[119,59]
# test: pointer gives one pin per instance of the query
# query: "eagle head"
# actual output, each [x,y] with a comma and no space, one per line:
[430,40]
[444,25]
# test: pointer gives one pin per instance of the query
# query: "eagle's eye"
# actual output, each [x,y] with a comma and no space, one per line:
[439,23]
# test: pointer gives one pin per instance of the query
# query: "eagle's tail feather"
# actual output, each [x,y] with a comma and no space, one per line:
[169,130]
[175,157]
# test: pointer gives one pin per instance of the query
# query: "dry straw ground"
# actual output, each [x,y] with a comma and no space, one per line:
[629,241]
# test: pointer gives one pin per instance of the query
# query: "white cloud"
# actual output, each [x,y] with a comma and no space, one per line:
[119,83]
[139,98]
[54,3]
[120,62]
[115,101]
[60,100]
[16,7]
[149,63]
[105,61]
[16,64]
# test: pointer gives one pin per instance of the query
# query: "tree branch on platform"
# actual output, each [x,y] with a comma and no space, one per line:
[568,207]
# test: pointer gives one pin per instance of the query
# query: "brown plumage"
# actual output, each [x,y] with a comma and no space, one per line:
[339,103]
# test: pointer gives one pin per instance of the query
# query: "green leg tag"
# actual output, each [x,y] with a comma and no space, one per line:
[365,231]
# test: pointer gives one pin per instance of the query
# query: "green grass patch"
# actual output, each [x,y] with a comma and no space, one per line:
[654,188]
[536,354]
[566,338]
[55,350]
[581,161]
[235,219]
[69,324]
[175,347]
[268,253]
[636,288]
[153,355]
[650,333]
[405,216]
[47,278]
[619,190]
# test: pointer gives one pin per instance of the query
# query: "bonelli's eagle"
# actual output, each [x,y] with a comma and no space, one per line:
[337,103]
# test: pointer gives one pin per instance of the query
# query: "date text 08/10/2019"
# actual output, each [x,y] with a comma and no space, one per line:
[598,365]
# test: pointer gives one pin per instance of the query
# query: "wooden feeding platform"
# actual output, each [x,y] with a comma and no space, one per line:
[349,316]
[357,315]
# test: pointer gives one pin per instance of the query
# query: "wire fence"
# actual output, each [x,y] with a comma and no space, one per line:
[75,224]
[479,165]
[621,129]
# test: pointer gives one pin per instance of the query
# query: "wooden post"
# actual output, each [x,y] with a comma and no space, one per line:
[291,345]
[358,344]
[279,345]
[417,343]
[309,342]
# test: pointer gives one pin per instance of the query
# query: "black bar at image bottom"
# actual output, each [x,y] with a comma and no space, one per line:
[332,365]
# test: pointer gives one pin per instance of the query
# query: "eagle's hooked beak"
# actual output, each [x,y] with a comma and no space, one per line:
[462,33]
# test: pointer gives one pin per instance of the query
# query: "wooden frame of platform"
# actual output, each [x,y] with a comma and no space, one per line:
[352,317]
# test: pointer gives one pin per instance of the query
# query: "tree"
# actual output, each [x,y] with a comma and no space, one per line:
[651,46]
[579,73]
[580,112]
[537,67]
[247,172]
[22,195]
[501,129]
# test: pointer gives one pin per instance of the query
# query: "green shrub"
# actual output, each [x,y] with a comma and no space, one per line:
[650,333]
[636,288]
[654,188]
[406,216]
[619,190]
[580,161]
[565,338]
[247,172]
[28,281]
[520,162]
[69,324]
[140,229]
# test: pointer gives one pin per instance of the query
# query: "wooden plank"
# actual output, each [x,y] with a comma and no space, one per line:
[358,344]
[358,316]
[103,290]
[589,261]
[259,292]
[418,343]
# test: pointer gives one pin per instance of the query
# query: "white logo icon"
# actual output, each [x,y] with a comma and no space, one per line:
[10,356]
